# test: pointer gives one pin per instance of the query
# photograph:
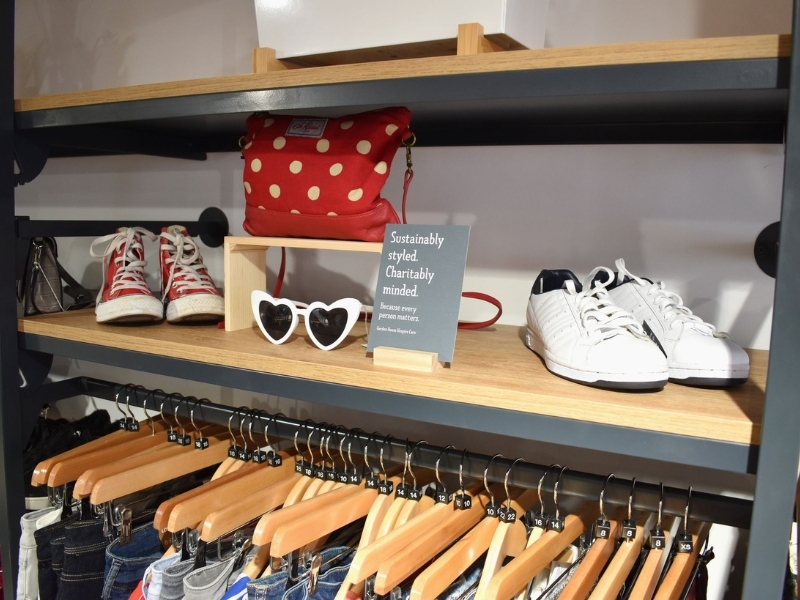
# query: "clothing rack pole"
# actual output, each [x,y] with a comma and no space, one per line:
[724,510]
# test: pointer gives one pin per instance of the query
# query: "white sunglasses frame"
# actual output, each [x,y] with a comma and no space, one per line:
[351,305]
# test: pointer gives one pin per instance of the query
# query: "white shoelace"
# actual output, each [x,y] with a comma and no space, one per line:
[187,271]
[601,318]
[130,267]
[670,304]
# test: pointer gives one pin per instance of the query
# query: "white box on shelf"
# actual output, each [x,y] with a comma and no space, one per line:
[296,28]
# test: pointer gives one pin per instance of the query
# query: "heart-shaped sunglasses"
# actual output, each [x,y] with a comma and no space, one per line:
[327,324]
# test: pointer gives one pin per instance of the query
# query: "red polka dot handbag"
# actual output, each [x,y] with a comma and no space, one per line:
[322,178]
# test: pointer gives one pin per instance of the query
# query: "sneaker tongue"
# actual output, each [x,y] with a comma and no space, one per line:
[569,286]
[177,230]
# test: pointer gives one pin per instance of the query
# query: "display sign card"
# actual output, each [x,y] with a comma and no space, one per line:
[419,288]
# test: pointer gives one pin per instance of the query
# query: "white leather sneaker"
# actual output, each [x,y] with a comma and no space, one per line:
[696,352]
[583,336]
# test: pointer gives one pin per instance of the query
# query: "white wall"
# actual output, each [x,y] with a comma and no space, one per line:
[686,214]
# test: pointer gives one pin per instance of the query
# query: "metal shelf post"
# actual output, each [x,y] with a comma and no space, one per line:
[780,431]
[11,483]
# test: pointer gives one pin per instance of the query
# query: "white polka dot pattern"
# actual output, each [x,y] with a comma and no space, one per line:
[336,169]
[256,165]
[347,124]
[380,168]
[268,122]
[247,188]
[390,129]
[275,190]
[247,145]
[295,166]
[355,194]
[363,147]
[332,214]
[323,145]
[295,212]
[261,207]
[279,142]
[313,192]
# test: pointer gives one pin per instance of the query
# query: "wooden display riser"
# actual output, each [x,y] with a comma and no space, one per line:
[491,368]
[729,48]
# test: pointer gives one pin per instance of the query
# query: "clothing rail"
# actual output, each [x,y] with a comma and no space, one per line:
[713,508]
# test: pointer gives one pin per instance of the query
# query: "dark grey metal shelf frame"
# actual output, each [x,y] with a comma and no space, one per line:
[717,101]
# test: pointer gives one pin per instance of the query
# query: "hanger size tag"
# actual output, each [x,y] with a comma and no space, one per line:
[628,529]
[385,487]
[556,524]
[233,452]
[492,510]
[308,469]
[320,473]
[298,466]
[342,477]
[540,520]
[123,424]
[133,425]
[415,493]
[259,457]
[354,478]
[462,501]
[507,514]
[201,443]
[401,491]
[602,529]
[244,454]
[658,540]
[443,496]
[274,459]
[185,440]
[372,481]
[685,542]
[330,475]
[172,436]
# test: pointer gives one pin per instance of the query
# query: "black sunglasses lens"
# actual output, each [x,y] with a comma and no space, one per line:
[276,319]
[327,326]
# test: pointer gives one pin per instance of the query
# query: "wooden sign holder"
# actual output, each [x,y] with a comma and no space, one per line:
[246,270]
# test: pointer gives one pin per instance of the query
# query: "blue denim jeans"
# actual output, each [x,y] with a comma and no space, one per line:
[125,564]
[48,579]
[335,564]
[84,549]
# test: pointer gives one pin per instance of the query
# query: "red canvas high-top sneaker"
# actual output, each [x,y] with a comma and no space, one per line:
[125,295]
[186,286]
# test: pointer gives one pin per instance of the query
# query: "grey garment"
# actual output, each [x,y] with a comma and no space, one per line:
[210,582]
[172,579]
[464,583]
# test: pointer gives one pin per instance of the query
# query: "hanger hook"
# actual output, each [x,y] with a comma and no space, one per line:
[144,407]
[258,413]
[172,406]
[249,415]
[355,433]
[660,505]
[266,431]
[485,474]
[505,481]
[366,452]
[175,414]
[686,510]
[602,494]
[122,389]
[410,458]
[464,455]
[541,481]
[386,440]
[308,444]
[128,400]
[230,431]
[555,489]
[439,458]
[630,498]
[191,411]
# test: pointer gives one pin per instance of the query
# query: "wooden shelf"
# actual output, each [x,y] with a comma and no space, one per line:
[693,50]
[704,90]
[515,380]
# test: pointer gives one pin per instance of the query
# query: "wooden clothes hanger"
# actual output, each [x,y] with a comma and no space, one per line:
[411,558]
[645,585]
[511,537]
[513,578]
[689,546]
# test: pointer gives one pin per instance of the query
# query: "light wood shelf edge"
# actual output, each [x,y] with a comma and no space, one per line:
[727,48]
[516,380]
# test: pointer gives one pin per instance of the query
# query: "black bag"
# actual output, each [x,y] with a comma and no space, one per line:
[39,287]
